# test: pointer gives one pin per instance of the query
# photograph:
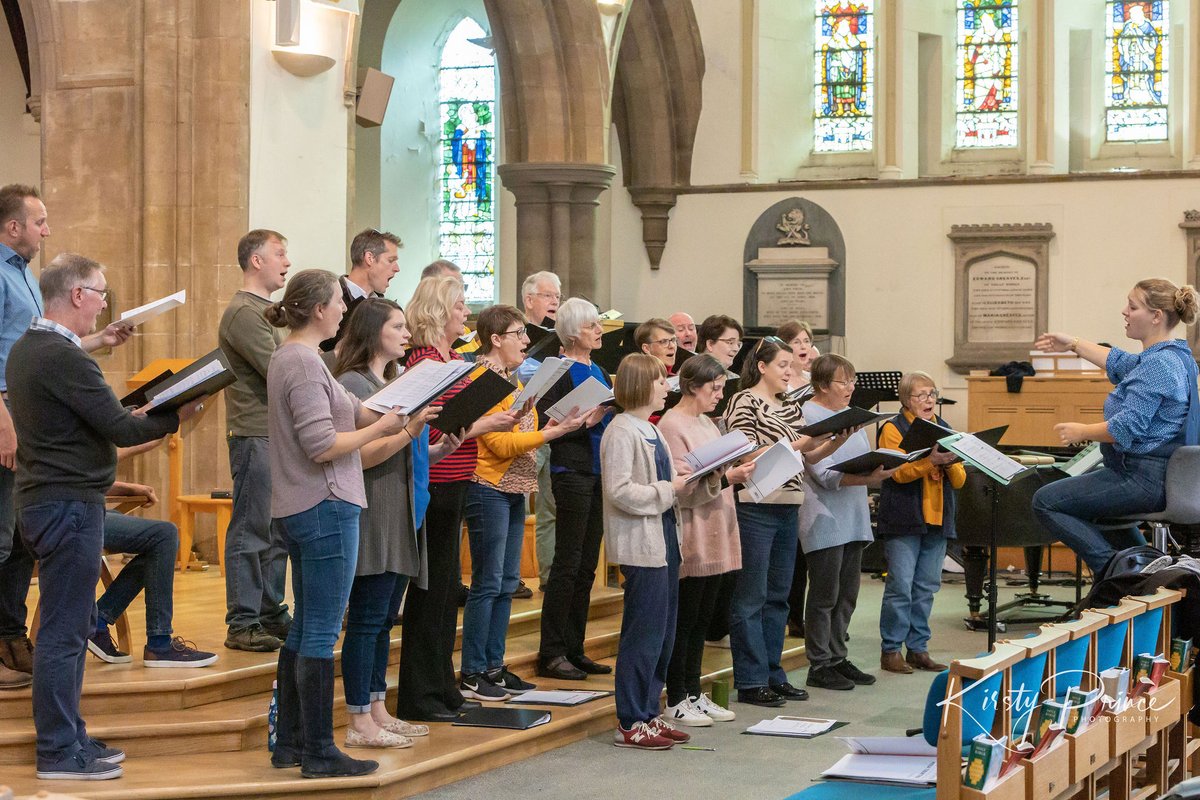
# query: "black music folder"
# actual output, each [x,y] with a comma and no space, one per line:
[923,435]
[206,375]
[473,401]
[681,355]
[849,417]
[614,346]
[869,462]
[137,398]
[543,342]
[517,719]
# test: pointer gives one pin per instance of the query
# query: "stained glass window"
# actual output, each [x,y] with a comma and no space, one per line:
[845,76]
[986,96]
[467,97]
[1135,71]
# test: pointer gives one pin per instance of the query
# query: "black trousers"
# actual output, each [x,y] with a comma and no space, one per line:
[697,602]
[799,590]
[579,529]
[718,623]
[427,683]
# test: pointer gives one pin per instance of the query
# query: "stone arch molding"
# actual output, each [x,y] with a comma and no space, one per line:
[35,15]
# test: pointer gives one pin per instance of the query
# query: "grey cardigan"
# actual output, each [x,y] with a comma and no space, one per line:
[634,498]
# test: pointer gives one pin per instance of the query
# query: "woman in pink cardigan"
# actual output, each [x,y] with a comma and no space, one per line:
[709,537]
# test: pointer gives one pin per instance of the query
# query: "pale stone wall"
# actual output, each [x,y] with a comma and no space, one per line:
[18,130]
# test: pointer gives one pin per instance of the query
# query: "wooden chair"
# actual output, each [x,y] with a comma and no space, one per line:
[189,506]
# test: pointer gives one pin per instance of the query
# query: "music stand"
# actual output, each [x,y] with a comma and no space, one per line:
[886,383]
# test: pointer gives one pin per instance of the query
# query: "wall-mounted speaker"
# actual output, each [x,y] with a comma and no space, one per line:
[374,91]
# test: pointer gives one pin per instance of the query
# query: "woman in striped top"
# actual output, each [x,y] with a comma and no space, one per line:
[428,691]
[770,529]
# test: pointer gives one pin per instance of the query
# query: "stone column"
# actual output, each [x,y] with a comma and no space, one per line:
[889,113]
[1193,161]
[1041,142]
[556,222]
[749,170]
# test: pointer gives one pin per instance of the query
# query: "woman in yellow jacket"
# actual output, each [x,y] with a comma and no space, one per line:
[505,472]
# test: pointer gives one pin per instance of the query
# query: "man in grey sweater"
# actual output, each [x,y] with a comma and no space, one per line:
[68,424]
[255,559]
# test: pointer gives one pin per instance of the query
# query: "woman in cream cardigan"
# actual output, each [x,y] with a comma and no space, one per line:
[639,489]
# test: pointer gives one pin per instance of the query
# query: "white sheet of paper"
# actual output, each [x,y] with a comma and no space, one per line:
[540,382]
[136,316]
[779,464]
[417,384]
[908,770]
[673,383]
[987,456]
[556,697]
[585,397]
[209,370]
[889,745]
[792,726]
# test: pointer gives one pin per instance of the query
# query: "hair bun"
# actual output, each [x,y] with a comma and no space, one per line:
[1187,304]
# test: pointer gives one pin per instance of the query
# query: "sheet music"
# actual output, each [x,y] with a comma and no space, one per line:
[417,384]
[586,396]
[673,383]
[792,726]
[559,697]
[779,464]
[540,382]
[711,452]
[906,770]
[889,745]
[136,316]
[991,459]
[209,370]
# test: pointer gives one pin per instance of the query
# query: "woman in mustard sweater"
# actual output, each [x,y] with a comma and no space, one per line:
[505,472]
[916,517]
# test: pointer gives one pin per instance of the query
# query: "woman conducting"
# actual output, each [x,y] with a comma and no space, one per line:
[1152,410]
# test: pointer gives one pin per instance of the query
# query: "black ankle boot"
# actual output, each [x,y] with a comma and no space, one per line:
[321,758]
[289,741]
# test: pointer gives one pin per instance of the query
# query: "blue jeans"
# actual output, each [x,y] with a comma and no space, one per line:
[647,634]
[914,574]
[322,543]
[374,603]
[496,532]
[1127,484]
[154,544]
[255,556]
[759,608]
[66,539]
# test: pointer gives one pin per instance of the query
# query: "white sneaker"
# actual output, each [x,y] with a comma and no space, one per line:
[687,715]
[706,706]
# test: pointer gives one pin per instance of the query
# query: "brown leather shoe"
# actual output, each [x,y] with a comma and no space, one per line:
[894,662]
[922,661]
[17,654]
[11,679]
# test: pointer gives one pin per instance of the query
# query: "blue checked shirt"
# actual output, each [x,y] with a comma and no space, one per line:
[1149,404]
[20,302]
[43,324]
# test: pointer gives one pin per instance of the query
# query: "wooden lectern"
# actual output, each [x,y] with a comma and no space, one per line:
[175,443]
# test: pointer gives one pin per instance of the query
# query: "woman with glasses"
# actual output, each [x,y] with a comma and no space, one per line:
[769,528]
[721,337]
[428,689]
[916,518]
[506,471]
[656,337]
[835,527]
[579,524]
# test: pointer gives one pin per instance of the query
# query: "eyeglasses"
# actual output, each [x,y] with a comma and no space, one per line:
[548,295]
[851,383]
[519,333]
[664,342]
[102,292]
[923,396]
[732,341]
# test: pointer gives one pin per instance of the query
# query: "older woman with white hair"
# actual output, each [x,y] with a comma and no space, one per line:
[575,481]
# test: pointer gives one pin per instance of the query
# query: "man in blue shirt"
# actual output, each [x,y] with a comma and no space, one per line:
[23,225]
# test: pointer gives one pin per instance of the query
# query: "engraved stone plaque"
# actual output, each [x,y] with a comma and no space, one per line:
[792,297]
[1001,300]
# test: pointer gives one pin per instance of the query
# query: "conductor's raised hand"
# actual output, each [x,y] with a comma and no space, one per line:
[1071,432]
[1054,342]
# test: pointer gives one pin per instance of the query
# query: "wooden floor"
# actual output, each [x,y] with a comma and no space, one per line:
[202,733]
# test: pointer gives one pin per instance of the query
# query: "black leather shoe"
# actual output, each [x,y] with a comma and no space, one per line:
[855,674]
[559,667]
[760,696]
[467,705]
[789,692]
[590,667]
[523,592]
[828,678]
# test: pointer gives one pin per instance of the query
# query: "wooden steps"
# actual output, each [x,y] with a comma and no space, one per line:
[202,733]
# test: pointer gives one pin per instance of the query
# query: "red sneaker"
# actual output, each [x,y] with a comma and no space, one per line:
[641,736]
[663,728]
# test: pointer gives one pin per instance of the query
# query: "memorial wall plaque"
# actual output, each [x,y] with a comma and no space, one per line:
[1001,300]
[785,298]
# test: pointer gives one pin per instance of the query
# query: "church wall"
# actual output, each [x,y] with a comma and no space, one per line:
[900,265]
[298,145]
[18,131]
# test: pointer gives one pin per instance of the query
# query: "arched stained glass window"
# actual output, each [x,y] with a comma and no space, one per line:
[986,96]
[467,98]
[1135,71]
[845,76]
